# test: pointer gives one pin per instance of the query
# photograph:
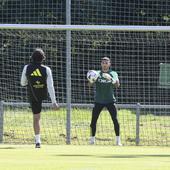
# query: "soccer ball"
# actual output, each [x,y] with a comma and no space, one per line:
[92,76]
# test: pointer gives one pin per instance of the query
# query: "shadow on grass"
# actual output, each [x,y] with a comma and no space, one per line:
[7,148]
[113,156]
[133,156]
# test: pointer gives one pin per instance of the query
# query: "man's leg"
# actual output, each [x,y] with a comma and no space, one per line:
[113,113]
[36,109]
[36,125]
[95,114]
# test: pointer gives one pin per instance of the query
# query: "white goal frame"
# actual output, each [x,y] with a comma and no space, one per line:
[136,28]
[70,28]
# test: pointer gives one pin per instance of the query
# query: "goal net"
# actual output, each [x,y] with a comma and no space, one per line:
[90,12]
[136,54]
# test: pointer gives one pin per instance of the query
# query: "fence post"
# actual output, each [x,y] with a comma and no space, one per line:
[68,72]
[1,121]
[138,124]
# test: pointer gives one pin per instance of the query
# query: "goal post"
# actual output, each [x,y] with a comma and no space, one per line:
[136,53]
[1,121]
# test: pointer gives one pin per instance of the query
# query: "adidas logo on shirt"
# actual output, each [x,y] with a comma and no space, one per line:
[36,73]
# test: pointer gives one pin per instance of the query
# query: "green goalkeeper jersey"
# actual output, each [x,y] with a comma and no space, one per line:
[105,88]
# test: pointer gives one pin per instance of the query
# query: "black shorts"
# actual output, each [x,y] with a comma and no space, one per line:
[110,107]
[36,106]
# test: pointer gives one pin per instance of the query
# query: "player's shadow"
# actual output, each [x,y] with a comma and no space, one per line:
[74,155]
[7,148]
[132,156]
[113,156]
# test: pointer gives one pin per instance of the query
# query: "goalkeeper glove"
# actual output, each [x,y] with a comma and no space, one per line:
[109,77]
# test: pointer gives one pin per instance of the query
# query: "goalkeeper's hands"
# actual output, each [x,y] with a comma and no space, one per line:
[107,76]
[91,82]
[110,78]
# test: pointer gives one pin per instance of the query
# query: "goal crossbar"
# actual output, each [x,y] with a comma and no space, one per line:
[86,27]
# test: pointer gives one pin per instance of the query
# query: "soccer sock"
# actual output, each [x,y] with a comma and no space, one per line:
[92,137]
[37,138]
[118,139]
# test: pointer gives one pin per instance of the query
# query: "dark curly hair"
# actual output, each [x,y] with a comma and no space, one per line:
[38,55]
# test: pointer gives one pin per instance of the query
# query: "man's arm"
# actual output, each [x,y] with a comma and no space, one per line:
[117,83]
[115,80]
[24,80]
[50,87]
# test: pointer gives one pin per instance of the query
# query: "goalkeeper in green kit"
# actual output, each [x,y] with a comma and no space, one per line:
[105,83]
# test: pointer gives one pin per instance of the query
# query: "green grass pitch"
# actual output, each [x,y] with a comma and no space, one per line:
[71,157]
[154,130]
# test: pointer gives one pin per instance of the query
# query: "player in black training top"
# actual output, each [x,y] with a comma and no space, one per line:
[38,78]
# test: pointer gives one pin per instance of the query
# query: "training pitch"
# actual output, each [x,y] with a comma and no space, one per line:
[71,157]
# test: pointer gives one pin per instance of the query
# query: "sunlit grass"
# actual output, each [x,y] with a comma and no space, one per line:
[71,157]
[154,130]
